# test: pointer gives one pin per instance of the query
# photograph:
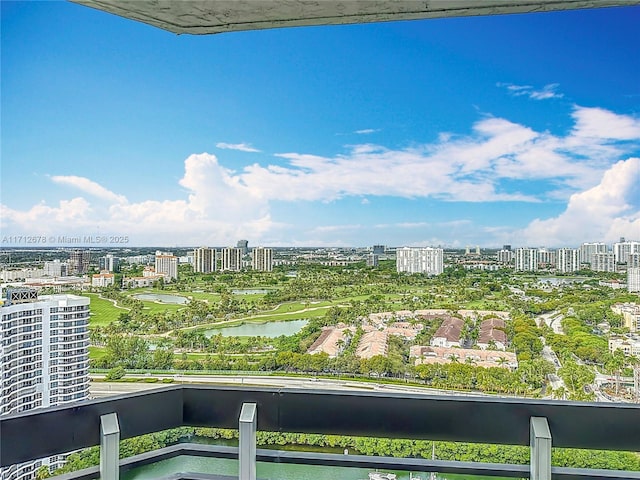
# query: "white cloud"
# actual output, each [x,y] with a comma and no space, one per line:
[367,131]
[243,147]
[605,211]
[545,93]
[90,187]
[491,164]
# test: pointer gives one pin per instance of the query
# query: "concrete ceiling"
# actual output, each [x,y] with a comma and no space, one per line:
[203,17]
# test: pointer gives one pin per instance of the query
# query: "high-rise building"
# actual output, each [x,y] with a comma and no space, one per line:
[262,259]
[55,268]
[378,249]
[167,265]
[567,260]
[109,263]
[505,255]
[44,359]
[427,260]
[526,260]
[546,257]
[634,260]
[244,245]
[633,279]
[372,260]
[624,248]
[204,260]
[79,261]
[588,250]
[603,262]
[231,259]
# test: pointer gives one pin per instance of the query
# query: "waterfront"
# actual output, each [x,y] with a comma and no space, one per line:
[269,329]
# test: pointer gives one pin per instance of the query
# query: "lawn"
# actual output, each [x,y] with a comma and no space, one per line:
[103,312]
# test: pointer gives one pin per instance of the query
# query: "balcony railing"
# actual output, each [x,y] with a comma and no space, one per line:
[537,423]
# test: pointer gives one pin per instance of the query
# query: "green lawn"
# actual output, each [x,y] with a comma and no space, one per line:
[103,312]
[96,353]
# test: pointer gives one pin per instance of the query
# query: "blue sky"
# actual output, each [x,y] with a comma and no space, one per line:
[519,129]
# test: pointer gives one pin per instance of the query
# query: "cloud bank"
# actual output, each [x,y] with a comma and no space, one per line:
[500,161]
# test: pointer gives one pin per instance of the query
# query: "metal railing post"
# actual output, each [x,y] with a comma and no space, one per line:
[540,445]
[247,451]
[109,447]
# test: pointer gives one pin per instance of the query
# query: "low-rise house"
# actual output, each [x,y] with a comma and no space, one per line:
[448,335]
[481,358]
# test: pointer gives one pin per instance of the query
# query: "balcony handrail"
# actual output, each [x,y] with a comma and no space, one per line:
[40,433]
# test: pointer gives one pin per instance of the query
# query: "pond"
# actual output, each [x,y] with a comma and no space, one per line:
[267,329]
[269,471]
[162,298]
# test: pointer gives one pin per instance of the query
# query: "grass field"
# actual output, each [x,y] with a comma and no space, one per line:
[103,312]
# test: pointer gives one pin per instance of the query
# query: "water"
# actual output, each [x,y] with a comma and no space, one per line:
[268,329]
[270,471]
[162,298]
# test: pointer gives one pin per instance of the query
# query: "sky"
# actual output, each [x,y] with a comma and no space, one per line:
[511,129]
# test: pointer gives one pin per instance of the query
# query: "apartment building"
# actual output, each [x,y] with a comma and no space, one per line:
[166,263]
[232,259]
[526,260]
[44,358]
[204,260]
[262,259]
[427,260]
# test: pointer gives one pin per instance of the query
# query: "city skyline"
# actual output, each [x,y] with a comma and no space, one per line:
[434,132]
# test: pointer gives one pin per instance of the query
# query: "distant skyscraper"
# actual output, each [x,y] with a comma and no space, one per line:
[506,247]
[624,248]
[633,279]
[546,257]
[372,260]
[109,263]
[588,250]
[79,261]
[567,260]
[420,260]
[634,260]
[378,250]
[204,260]
[526,260]
[56,268]
[244,245]
[603,262]
[44,361]
[505,255]
[166,264]
[231,259]
[262,259]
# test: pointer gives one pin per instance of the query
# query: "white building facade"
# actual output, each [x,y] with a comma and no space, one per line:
[633,279]
[587,251]
[204,260]
[567,260]
[262,259]
[624,248]
[231,259]
[603,262]
[427,260]
[167,265]
[44,359]
[526,260]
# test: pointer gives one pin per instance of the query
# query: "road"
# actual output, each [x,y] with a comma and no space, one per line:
[106,389]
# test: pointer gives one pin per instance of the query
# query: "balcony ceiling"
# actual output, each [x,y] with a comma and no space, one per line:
[204,17]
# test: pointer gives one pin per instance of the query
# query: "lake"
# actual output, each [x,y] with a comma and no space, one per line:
[162,298]
[268,329]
